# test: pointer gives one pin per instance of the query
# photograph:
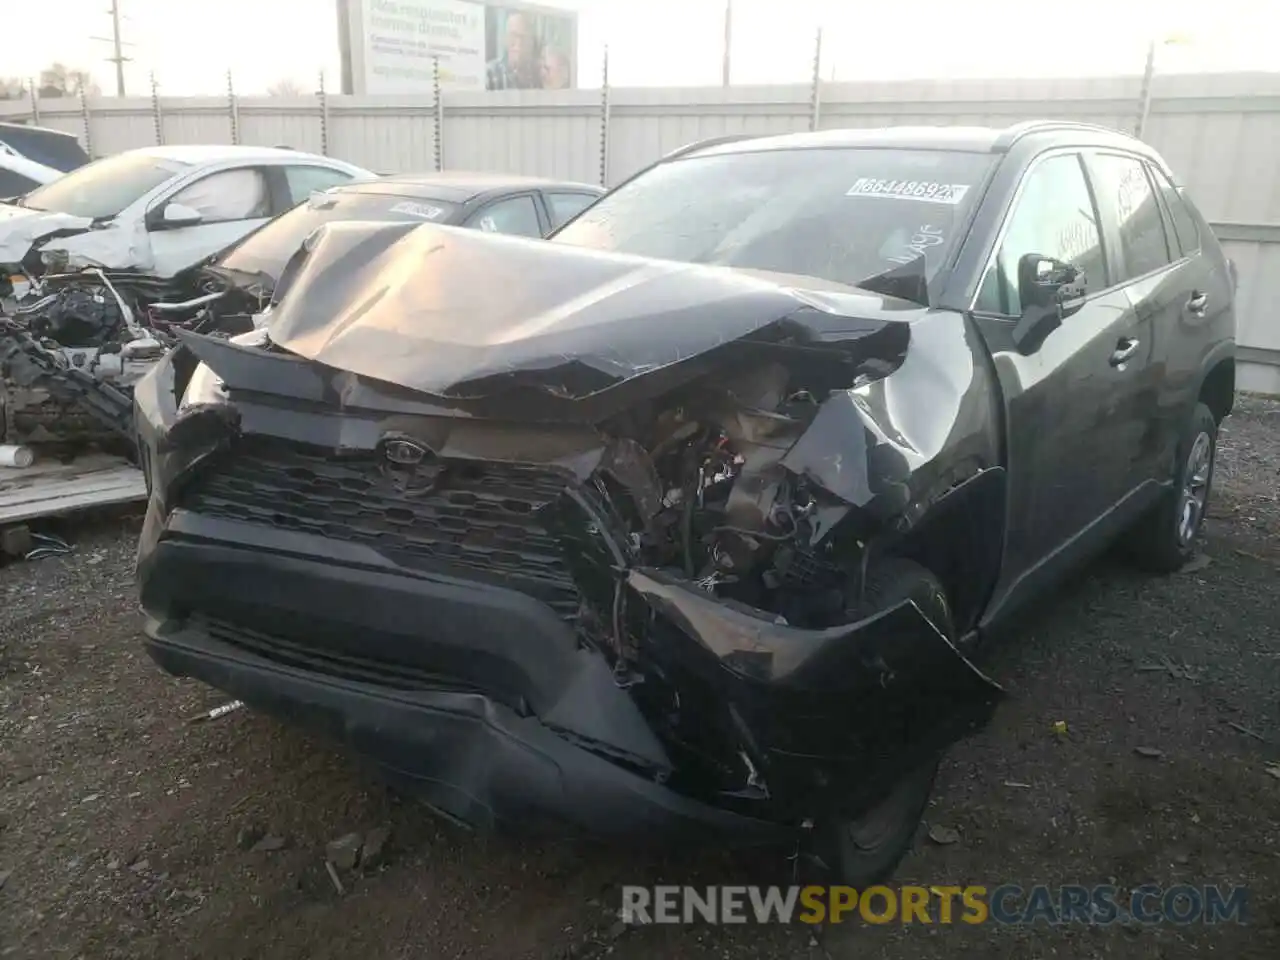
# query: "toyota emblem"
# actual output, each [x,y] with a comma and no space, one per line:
[404,453]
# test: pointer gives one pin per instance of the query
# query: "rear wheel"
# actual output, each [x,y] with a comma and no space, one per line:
[1165,539]
[865,850]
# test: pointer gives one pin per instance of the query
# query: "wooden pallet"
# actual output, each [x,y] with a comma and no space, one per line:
[52,489]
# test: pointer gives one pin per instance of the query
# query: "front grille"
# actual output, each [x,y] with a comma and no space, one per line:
[478,520]
[315,658]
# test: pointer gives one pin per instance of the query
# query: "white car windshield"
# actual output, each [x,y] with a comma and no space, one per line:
[836,213]
[100,190]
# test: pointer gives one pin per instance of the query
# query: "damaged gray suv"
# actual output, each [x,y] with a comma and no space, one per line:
[686,520]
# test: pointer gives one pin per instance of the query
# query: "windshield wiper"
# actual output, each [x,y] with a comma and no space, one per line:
[906,281]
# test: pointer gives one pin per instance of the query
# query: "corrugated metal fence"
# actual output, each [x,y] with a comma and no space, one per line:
[1221,134]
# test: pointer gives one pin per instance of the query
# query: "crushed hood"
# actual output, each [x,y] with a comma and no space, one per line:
[86,243]
[21,228]
[464,314]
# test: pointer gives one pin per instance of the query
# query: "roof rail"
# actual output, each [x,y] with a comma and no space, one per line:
[1011,134]
[689,148]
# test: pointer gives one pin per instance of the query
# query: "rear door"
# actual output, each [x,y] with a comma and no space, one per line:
[1066,401]
[1200,308]
[1146,270]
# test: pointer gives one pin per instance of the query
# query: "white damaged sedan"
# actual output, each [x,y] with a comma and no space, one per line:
[159,210]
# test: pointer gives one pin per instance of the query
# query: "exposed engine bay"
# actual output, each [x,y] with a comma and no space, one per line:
[72,344]
[707,493]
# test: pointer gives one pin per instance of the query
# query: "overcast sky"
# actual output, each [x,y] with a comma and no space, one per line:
[190,44]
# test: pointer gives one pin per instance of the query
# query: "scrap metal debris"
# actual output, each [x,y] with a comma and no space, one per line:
[47,546]
[1151,753]
[1241,728]
[1196,564]
[217,712]
[944,835]
[1178,671]
[333,875]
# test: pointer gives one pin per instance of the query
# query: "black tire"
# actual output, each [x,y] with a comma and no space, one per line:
[1165,538]
[866,851]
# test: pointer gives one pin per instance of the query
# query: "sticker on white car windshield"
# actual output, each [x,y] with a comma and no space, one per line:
[424,210]
[925,191]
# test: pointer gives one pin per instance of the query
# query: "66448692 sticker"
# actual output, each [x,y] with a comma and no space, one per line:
[925,191]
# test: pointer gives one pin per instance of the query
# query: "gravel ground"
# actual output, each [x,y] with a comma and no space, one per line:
[128,831]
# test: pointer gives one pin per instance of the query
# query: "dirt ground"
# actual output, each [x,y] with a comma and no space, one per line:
[127,831]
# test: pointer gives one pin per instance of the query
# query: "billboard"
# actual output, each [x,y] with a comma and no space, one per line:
[389,46]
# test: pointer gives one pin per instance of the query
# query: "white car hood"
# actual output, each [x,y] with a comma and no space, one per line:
[112,246]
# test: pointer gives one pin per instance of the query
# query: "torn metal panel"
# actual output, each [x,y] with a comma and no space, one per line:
[114,246]
[21,229]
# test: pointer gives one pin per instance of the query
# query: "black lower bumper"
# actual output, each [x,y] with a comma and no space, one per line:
[470,757]
[558,742]
[486,698]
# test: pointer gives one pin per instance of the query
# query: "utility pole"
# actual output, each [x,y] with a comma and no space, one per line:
[117,47]
[728,40]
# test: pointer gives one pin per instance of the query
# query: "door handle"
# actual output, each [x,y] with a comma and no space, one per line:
[1197,303]
[1126,347]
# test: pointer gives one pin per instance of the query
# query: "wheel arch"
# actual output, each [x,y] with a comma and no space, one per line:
[960,540]
[1218,384]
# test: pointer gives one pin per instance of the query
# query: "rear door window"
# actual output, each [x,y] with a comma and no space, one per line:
[306,180]
[514,215]
[565,206]
[1123,188]
[1184,224]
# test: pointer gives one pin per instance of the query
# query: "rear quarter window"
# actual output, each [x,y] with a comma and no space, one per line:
[1184,222]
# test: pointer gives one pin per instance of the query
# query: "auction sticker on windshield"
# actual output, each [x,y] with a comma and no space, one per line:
[424,210]
[926,191]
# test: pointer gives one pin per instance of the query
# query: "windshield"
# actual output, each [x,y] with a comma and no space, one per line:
[100,190]
[269,248]
[838,214]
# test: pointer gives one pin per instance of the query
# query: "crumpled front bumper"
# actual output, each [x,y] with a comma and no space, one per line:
[520,726]
[488,699]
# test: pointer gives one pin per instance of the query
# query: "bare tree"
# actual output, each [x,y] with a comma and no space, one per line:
[11,88]
[286,88]
[59,80]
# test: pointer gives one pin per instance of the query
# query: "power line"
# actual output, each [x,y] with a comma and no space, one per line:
[117,47]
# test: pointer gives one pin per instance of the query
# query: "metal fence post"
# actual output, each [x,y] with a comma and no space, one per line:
[604,122]
[233,109]
[439,112]
[324,117]
[815,94]
[1144,95]
[157,115]
[33,86]
[85,117]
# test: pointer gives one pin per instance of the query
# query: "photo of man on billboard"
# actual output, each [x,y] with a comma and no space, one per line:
[528,49]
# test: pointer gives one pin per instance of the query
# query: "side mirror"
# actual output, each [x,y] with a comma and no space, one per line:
[178,215]
[1050,291]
